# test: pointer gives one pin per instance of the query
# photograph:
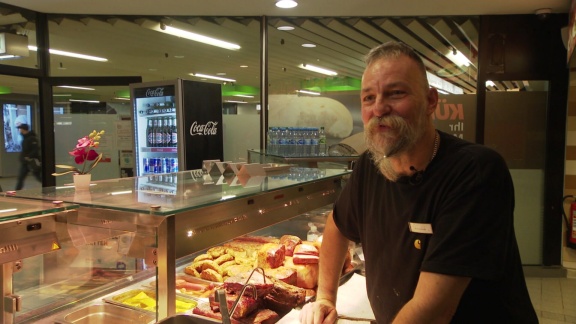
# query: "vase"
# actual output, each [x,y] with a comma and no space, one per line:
[82,181]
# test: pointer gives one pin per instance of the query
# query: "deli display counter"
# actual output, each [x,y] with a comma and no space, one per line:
[138,233]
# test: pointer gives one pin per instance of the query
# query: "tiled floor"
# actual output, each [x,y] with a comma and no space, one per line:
[553,298]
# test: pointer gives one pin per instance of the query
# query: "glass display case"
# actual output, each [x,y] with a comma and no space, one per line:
[132,230]
[330,161]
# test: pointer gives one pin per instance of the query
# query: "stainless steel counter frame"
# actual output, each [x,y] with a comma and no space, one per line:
[185,233]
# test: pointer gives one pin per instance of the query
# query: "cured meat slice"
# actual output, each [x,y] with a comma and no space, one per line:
[245,306]
[284,274]
[234,285]
[284,296]
[307,249]
[305,259]
[271,255]
[290,242]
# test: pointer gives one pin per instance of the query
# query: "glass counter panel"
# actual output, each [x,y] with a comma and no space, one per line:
[11,209]
[171,193]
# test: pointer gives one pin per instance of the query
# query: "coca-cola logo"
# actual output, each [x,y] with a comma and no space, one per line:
[204,129]
[158,92]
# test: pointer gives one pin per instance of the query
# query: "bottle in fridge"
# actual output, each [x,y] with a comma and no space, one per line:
[177,125]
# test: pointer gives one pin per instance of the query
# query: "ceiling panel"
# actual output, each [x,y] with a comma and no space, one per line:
[133,49]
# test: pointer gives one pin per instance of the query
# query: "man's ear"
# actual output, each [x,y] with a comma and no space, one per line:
[432,98]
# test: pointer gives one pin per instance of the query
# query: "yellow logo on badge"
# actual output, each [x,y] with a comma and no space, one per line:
[418,244]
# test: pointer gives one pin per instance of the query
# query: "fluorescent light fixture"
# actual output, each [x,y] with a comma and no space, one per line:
[71,54]
[286,4]
[8,210]
[309,92]
[243,96]
[285,28]
[458,58]
[200,75]
[115,193]
[308,45]
[120,98]
[73,87]
[490,83]
[316,69]
[197,37]
[62,95]
[80,100]
[235,101]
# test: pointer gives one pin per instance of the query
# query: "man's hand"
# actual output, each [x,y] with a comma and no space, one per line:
[319,312]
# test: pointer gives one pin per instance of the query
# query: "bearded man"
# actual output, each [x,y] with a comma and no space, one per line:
[434,213]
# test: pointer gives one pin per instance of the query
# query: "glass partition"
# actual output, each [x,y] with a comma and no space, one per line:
[516,127]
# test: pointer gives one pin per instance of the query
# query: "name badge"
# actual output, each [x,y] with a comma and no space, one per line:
[423,228]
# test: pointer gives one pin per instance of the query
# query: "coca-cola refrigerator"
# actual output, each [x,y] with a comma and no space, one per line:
[177,125]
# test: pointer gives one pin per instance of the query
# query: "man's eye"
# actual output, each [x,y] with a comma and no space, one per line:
[368,98]
[397,93]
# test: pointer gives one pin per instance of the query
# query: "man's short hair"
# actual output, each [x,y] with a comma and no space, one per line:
[393,49]
[23,126]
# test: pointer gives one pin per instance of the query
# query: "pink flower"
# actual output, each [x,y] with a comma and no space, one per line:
[82,153]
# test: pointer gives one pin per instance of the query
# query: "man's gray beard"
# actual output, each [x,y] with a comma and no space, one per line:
[407,137]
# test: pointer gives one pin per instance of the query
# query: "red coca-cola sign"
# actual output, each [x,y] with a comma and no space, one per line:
[210,128]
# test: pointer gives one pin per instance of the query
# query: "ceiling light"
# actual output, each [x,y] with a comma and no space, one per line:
[79,100]
[458,58]
[285,28]
[308,45]
[309,92]
[243,96]
[62,95]
[120,98]
[317,69]
[286,4]
[234,101]
[243,66]
[71,54]
[197,37]
[200,75]
[490,83]
[72,87]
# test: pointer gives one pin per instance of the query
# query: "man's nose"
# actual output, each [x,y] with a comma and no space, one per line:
[381,107]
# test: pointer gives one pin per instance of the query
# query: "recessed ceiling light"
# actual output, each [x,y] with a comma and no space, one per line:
[286,4]
[285,28]
[243,66]
[178,56]
[308,45]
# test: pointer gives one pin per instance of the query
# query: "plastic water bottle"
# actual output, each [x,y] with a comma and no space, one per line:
[291,138]
[307,141]
[322,148]
[313,233]
[299,136]
[282,142]
[314,142]
[273,140]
